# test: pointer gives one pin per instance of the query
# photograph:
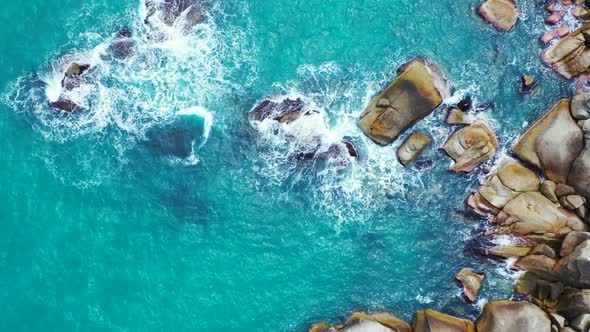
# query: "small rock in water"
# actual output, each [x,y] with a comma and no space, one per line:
[471,146]
[501,13]
[458,117]
[551,7]
[471,282]
[122,46]
[550,35]
[413,147]
[554,18]
[65,105]
[528,83]
[73,74]
[286,111]
[465,104]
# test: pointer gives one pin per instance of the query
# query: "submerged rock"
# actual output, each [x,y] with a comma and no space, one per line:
[504,316]
[413,147]
[176,139]
[285,111]
[471,282]
[417,91]
[434,321]
[471,146]
[552,143]
[528,83]
[571,56]
[122,45]
[169,11]
[65,105]
[501,13]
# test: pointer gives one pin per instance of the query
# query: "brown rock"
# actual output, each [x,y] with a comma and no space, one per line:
[571,241]
[481,206]
[434,321]
[501,13]
[380,322]
[548,190]
[504,316]
[471,282]
[579,176]
[458,117]
[572,202]
[535,217]
[570,57]
[575,268]
[471,146]
[528,83]
[416,93]
[539,265]
[564,190]
[545,250]
[413,147]
[580,106]
[285,111]
[552,143]
[509,251]
[573,303]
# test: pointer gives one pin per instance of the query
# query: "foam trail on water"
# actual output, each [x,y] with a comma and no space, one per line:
[207,120]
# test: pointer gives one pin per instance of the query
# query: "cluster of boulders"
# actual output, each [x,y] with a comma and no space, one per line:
[187,13]
[497,316]
[539,197]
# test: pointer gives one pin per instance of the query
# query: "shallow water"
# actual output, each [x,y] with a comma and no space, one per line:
[103,229]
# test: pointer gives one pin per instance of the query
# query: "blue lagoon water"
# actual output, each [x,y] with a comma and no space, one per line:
[103,229]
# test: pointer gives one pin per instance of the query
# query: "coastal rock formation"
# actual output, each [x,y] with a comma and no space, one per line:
[72,78]
[417,91]
[471,146]
[458,117]
[501,13]
[122,45]
[574,303]
[574,269]
[190,13]
[413,147]
[471,282]
[434,321]
[552,143]
[571,56]
[361,322]
[284,111]
[503,316]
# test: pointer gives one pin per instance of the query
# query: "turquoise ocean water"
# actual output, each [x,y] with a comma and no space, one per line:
[101,229]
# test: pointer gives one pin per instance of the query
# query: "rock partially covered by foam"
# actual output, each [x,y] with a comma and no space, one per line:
[170,11]
[284,111]
[417,92]
[72,79]
[434,321]
[361,322]
[504,316]
[413,147]
[471,282]
[501,13]
[471,146]
[571,56]
[552,143]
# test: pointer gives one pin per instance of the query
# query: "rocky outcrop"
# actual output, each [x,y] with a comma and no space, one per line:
[190,13]
[122,46]
[571,56]
[361,322]
[503,316]
[417,92]
[552,143]
[284,111]
[471,146]
[434,321]
[574,303]
[413,147]
[500,13]
[471,282]
[574,269]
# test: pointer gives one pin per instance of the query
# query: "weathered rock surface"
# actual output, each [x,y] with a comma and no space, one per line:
[361,322]
[413,147]
[573,303]
[285,111]
[504,316]
[509,251]
[417,92]
[471,282]
[552,143]
[539,265]
[548,190]
[458,117]
[574,269]
[571,241]
[471,146]
[501,13]
[579,176]
[571,56]
[528,83]
[434,321]
[534,216]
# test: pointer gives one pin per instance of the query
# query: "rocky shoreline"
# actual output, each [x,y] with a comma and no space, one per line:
[537,196]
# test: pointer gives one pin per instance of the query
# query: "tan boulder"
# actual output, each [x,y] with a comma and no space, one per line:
[504,316]
[510,180]
[548,190]
[417,92]
[571,241]
[579,176]
[535,217]
[481,206]
[379,322]
[573,303]
[471,282]
[434,321]
[501,13]
[571,56]
[575,268]
[471,146]
[580,106]
[545,250]
[458,117]
[539,265]
[509,251]
[413,147]
[552,143]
